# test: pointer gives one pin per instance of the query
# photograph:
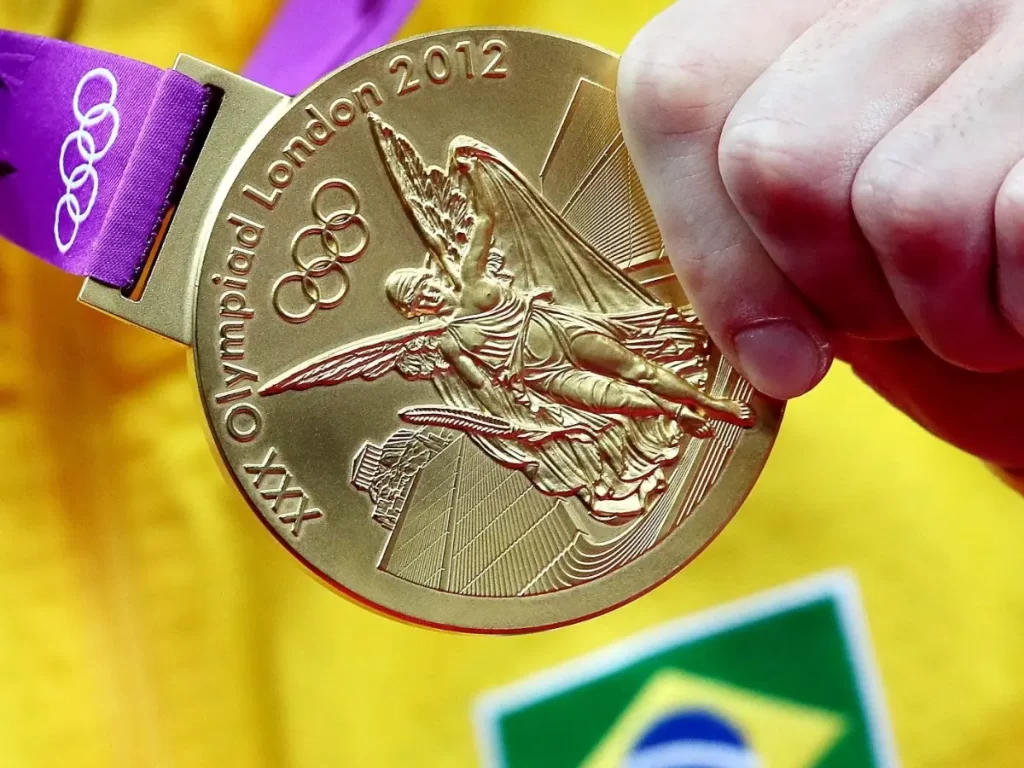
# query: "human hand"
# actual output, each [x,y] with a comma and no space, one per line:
[845,178]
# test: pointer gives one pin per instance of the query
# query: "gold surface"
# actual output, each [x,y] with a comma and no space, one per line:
[494,499]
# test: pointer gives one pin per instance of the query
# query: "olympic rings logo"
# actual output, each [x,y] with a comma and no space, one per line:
[82,183]
[311,281]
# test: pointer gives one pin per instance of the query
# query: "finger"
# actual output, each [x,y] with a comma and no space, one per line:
[977,412]
[1010,248]
[678,80]
[791,147]
[925,199]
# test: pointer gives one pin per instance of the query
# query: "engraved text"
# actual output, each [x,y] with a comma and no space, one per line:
[285,499]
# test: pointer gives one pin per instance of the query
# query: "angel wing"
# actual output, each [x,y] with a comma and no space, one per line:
[434,198]
[413,353]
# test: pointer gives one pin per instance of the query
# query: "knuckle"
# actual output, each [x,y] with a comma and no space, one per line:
[781,172]
[668,86]
[896,201]
[910,219]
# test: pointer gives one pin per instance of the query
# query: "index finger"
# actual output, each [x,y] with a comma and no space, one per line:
[678,81]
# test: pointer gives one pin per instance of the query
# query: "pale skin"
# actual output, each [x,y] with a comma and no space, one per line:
[633,385]
[846,179]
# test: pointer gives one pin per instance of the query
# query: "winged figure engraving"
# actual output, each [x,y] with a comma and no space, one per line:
[552,360]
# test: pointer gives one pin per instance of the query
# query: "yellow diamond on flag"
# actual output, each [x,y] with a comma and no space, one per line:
[679,719]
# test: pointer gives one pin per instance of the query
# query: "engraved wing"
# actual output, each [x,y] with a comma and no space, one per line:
[435,199]
[413,353]
[540,249]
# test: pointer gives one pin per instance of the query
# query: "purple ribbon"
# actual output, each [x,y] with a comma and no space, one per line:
[356,27]
[93,146]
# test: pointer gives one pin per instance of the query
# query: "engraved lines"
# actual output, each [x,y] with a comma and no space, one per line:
[431,495]
[444,577]
[589,560]
[503,540]
[718,451]
[480,552]
[588,176]
[425,563]
[419,553]
[489,483]
[613,215]
[542,577]
[480,518]
[590,124]
[527,553]
[475,527]
[645,237]
[419,545]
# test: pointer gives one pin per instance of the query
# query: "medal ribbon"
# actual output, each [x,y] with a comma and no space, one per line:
[94,146]
[353,27]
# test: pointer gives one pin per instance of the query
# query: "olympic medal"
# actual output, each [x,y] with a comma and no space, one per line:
[443,352]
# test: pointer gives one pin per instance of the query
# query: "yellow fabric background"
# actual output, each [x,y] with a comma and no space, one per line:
[147,619]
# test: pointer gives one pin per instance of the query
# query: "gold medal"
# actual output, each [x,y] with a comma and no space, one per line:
[438,341]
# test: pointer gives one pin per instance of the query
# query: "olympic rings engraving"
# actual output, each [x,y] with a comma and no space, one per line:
[329,261]
[75,204]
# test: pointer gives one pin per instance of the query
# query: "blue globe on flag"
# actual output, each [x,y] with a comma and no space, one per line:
[692,739]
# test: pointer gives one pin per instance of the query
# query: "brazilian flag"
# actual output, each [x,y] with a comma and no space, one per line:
[785,679]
